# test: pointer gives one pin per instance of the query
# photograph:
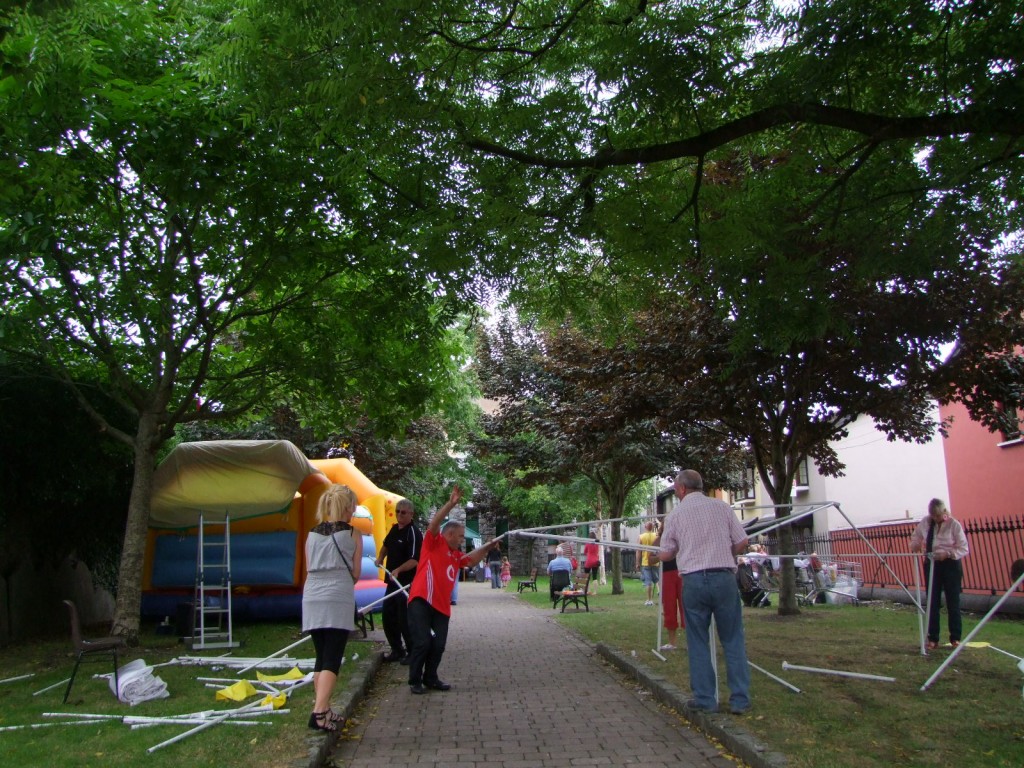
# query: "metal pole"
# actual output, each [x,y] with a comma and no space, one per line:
[861,675]
[870,546]
[920,608]
[209,724]
[400,591]
[973,632]
[276,653]
[931,587]
[774,677]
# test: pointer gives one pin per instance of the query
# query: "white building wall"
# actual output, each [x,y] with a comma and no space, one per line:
[883,481]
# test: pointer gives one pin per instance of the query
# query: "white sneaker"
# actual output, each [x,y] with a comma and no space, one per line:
[648,603]
[668,647]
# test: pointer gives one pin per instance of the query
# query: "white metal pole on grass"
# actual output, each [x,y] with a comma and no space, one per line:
[276,653]
[47,725]
[208,724]
[51,687]
[774,677]
[19,677]
[860,675]
[973,632]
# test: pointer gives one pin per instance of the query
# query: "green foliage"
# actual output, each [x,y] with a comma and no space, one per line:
[64,487]
[194,259]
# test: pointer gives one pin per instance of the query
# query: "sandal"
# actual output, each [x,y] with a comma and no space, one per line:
[322,721]
[335,717]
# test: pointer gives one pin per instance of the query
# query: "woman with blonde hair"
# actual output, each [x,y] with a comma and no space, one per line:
[334,552]
[941,538]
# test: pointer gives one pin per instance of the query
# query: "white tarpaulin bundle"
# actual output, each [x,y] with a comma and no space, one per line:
[136,683]
[239,478]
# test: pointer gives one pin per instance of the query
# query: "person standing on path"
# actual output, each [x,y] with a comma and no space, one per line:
[592,561]
[334,553]
[651,567]
[441,560]
[494,567]
[401,549]
[705,537]
[941,536]
[672,608]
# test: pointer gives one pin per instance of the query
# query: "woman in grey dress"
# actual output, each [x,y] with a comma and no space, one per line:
[334,552]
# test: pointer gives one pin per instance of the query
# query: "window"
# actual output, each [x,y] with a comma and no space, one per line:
[1013,415]
[803,475]
[746,486]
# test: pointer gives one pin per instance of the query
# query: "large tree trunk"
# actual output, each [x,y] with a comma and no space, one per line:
[787,587]
[129,579]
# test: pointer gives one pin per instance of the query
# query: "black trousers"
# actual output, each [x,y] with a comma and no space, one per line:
[428,628]
[949,576]
[394,614]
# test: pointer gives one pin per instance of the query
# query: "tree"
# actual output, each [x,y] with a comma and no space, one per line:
[190,259]
[558,420]
[64,489]
[879,352]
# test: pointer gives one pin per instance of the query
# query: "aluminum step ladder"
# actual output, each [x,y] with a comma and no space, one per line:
[211,625]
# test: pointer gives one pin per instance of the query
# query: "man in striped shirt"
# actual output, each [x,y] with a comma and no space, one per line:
[705,536]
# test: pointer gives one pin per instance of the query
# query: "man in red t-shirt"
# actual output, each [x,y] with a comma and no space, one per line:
[430,597]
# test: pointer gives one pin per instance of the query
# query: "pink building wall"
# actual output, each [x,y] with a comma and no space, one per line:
[985,473]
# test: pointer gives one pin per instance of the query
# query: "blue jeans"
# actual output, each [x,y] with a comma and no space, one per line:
[495,574]
[715,594]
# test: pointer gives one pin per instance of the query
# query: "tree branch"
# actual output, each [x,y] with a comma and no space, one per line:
[879,128]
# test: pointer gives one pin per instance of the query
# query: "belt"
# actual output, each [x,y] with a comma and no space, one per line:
[710,570]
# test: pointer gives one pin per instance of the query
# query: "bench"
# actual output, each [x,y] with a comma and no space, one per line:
[574,595]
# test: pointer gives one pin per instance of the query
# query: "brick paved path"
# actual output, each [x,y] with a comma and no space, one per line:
[525,693]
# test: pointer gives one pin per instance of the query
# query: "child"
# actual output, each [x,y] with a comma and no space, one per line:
[506,572]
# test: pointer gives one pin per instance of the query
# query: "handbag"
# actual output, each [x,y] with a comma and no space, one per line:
[343,558]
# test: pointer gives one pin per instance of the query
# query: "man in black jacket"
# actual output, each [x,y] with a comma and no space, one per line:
[401,547]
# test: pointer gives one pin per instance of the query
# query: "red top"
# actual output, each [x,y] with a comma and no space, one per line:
[436,573]
[591,555]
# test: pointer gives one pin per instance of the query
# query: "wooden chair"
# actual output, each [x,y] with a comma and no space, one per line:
[574,595]
[86,649]
[530,583]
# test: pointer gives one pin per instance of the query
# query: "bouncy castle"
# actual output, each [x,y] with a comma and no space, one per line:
[256,501]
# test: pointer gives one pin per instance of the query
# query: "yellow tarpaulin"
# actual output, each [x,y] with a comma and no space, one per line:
[278,701]
[291,674]
[239,691]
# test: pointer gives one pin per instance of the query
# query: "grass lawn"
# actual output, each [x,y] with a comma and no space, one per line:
[971,716]
[111,743]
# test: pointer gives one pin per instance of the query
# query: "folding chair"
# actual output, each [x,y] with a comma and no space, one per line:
[89,648]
